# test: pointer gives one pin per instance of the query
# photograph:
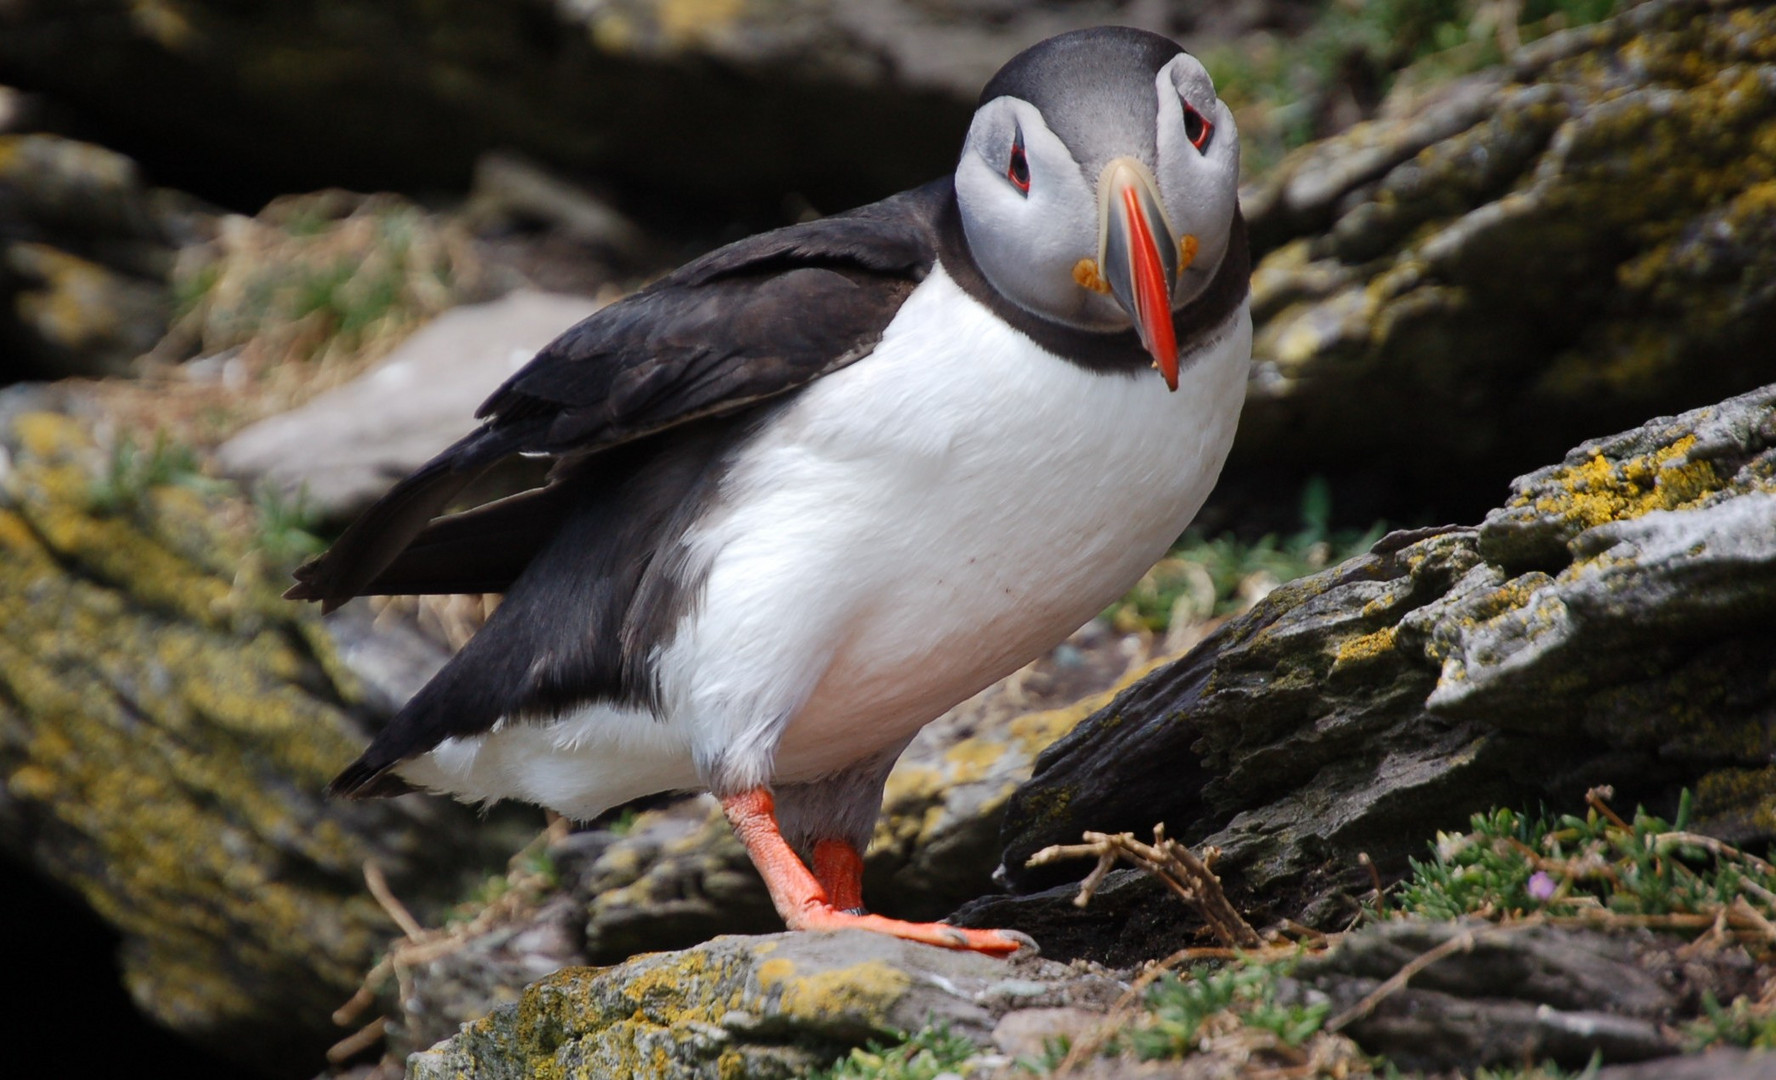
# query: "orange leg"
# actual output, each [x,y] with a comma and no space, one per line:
[804,901]
[839,869]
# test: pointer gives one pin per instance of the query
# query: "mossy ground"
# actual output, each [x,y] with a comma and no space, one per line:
[1597,869]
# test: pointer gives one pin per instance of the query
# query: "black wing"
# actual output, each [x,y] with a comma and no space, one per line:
[639,403]
[736,327]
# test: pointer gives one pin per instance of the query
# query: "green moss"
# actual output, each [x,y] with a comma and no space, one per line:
[926,1055]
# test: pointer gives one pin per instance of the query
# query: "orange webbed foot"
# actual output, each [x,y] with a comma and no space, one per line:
[830,897]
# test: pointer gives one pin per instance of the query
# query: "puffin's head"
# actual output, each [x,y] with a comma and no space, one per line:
[1099,183]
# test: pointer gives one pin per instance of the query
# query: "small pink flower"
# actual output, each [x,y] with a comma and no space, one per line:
[1541,886]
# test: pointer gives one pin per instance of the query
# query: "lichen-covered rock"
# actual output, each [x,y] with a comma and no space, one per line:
[674,877]
[86,253]
[762,1007]
[440,986]
[1609,624]
[1503,265]
[167,730]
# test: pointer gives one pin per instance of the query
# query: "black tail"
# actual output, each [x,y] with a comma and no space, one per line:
[378,538]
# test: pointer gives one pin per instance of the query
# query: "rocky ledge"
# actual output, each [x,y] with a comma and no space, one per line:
[1506,262]
[1610,623]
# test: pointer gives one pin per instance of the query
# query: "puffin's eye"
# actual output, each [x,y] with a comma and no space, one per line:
[1017,170]
[1197,129]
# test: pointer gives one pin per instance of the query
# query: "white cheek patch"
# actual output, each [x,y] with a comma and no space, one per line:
[1028,244]
[1200,187]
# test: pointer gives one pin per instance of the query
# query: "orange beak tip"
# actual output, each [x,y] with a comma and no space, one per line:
[1168,370]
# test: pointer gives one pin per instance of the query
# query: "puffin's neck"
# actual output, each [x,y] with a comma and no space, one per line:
[1196,325]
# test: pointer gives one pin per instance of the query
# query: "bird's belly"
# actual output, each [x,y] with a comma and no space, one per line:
[922,524]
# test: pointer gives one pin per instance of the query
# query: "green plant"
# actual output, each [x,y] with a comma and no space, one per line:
[286,525]
[1544,1070]
[1743,1023]
[1054,1051]
[1510,863]
[130,472]
[925,1055]
[624,822]
[314,276]
[1204,577]
[1181,1011]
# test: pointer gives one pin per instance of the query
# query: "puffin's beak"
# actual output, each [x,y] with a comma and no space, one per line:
[1139,256]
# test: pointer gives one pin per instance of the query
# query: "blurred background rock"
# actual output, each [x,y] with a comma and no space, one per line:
[231,235]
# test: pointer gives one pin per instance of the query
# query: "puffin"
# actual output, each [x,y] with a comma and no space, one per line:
[814,488]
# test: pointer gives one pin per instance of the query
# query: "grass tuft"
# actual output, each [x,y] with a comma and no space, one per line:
[131,472]
[1206,578]
[926,1055]
[1209,1002]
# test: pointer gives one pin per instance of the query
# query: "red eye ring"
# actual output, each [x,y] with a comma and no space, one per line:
[1017,170]
[1197,129]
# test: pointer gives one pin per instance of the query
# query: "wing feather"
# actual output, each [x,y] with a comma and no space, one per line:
[742,325]
[590,563]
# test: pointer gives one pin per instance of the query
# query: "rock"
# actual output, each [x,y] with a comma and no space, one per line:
[1028,1033]
[1727,1063]
[167,730]
[509,190]
[446,986]
[346,447]
[731,104]
[1610,623]
[772,1006]
[390,659]
[1515,994]
[675,876]
[937,840]
[86,250]
[1495,268]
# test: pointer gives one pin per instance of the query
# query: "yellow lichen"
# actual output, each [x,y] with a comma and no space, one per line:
[1748,794]
[1597,490]
[870,987]
[772,972]
[686,22]
[175,756]
[1363,649]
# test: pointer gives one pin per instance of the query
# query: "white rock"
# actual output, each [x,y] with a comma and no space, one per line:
[351,444]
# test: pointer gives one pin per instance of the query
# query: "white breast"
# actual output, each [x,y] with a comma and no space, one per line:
[922,523]
[907,531]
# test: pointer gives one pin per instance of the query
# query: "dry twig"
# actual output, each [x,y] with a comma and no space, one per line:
[419,946]
[1172,863]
